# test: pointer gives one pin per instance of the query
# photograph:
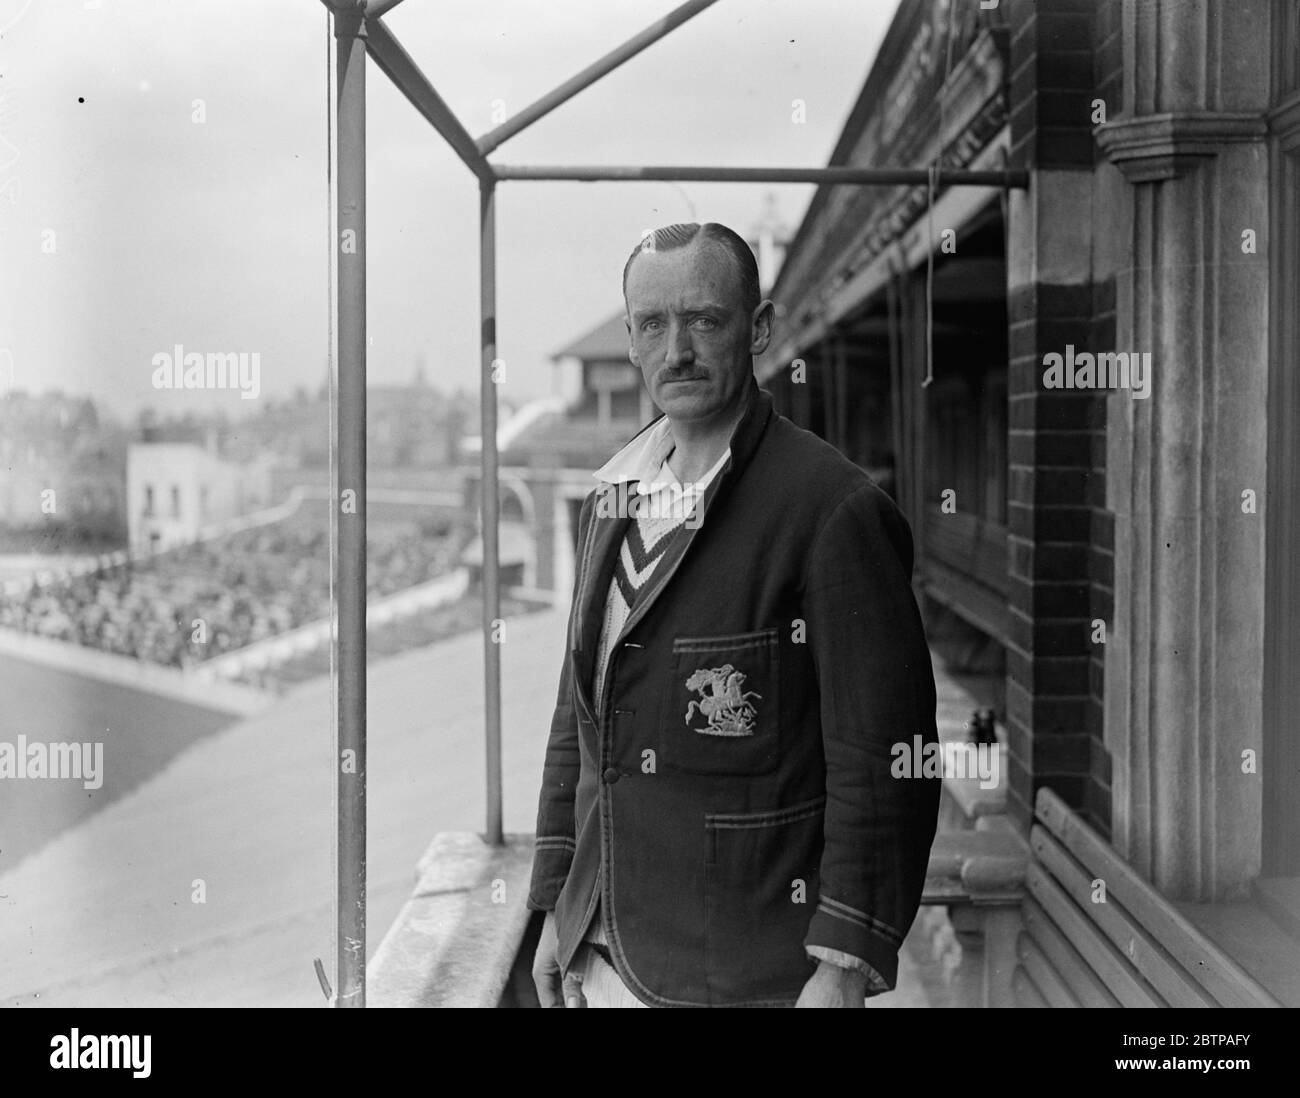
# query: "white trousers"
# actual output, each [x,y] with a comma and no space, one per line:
[601,985]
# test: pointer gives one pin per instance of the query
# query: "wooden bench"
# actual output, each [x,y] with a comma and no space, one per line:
[1132,949]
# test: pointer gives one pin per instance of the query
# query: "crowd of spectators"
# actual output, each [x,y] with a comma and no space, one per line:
[424,627]
[242,588]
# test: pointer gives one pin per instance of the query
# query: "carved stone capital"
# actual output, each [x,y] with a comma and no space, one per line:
[1164,146]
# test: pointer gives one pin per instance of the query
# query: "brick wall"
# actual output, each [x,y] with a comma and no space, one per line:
[1050,520]
[1052,82]
[1058,534]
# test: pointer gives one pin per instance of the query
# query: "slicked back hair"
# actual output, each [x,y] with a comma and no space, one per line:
[682,235]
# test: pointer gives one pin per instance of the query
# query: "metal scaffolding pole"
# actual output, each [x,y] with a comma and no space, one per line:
[350,547]
[885,177]
[593,72]
[395,63]
[488,497]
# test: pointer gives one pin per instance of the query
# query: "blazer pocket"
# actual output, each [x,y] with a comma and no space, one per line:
[721,711]
[762,873]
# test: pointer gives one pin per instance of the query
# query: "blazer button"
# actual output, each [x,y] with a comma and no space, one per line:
[611,776]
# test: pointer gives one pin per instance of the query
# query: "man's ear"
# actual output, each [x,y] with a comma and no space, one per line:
[631,347]
[761,327]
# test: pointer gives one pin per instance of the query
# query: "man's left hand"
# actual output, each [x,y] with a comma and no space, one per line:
[833,986]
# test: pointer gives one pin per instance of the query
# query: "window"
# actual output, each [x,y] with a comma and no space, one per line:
[994,467]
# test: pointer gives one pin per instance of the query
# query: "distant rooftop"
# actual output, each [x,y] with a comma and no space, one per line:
[608,340]
[571,443]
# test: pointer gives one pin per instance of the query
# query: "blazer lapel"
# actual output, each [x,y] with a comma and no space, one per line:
[606,535]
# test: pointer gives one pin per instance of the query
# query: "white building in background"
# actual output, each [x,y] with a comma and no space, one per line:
[769,237]
[176,489]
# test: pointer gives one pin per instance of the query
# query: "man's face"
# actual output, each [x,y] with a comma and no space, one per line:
[691,336]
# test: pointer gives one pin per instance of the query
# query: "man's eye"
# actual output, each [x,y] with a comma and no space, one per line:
[651,326]
[705,322]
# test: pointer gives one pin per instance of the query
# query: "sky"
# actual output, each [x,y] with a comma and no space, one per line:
[128,227]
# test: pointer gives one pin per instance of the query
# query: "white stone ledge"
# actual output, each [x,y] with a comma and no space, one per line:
[455,940]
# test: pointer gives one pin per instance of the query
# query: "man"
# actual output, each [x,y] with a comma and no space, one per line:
[718,824]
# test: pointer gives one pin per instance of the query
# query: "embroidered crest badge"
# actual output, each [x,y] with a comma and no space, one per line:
[722,702]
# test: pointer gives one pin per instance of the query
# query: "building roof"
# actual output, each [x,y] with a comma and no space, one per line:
[608,340]
[879,131]
[566,442]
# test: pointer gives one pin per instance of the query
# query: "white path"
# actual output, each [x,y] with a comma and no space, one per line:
[104,914]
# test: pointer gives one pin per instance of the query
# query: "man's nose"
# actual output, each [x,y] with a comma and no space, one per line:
[679,352]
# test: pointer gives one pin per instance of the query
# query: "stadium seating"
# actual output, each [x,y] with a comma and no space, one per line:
[242,588]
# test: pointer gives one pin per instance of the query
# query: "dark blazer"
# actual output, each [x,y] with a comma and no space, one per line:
[727,819]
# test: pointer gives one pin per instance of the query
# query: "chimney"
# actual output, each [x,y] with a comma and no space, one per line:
[769,238]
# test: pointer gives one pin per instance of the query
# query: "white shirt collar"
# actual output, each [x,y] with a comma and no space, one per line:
[645,460]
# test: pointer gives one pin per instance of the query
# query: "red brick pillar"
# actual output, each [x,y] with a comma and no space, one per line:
[1053,494]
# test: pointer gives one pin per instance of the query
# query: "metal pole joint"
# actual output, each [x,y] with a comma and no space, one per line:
[350,19]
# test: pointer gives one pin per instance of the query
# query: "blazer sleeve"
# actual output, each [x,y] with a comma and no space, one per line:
[555,843]
[876,688]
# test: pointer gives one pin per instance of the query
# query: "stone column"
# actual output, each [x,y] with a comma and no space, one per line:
[1185,648]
